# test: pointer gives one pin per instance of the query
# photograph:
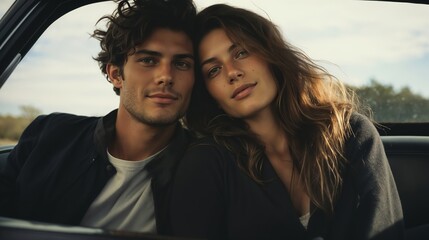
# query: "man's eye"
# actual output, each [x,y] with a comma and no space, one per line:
[147,61]
[183,65]
[213,71]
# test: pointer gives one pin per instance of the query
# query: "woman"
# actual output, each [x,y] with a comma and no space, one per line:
[287,155]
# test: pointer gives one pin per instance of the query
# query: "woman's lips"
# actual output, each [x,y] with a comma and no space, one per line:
[243,91]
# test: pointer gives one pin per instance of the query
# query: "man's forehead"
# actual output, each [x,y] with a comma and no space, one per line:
[167,40]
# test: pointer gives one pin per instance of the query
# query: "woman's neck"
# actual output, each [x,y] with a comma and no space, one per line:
[274,138]
[270,133]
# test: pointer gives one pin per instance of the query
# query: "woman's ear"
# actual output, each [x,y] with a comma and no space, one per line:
[115,75]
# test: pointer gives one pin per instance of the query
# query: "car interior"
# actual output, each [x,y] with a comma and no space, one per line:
[406,144]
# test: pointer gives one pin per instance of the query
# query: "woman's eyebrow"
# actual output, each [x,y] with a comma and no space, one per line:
[207,61]
[212,59]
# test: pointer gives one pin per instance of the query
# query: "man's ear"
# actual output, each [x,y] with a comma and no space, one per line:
[115,76]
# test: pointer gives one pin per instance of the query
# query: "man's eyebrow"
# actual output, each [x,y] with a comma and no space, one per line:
[230,49]
[158,54]
[148,52]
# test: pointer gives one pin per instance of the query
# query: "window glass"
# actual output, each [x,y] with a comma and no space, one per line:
[58,74]
[380,49]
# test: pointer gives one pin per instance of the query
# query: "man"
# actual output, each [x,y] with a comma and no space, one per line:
[113,172]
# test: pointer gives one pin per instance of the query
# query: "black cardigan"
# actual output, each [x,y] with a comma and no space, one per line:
[60,165]
[213,198]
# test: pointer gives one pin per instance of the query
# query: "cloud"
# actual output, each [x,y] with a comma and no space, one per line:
[351,32]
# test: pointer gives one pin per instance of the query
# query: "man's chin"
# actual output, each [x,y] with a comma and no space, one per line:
[160,124]
[163,121]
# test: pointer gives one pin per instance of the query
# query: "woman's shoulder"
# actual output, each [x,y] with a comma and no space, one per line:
[207,151]
[364,138]
[362,127]
[204,140]
[206,143]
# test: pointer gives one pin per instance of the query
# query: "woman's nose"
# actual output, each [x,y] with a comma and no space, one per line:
[234,73]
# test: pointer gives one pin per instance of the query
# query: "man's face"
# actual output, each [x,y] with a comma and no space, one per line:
[157,79]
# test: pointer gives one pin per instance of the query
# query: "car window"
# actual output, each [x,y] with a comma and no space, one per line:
[381,49]
[58,73]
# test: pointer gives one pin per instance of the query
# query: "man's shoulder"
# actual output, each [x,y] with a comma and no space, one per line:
[58,116]
[60,123]
[63,119]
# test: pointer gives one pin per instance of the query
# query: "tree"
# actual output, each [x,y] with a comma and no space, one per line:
[11,127]
[29,112]
[389,105]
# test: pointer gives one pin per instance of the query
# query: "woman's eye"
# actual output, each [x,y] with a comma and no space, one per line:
[183,65]
[241,54]
[213,71]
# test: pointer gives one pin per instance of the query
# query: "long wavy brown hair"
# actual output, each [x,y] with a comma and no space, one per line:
[312,107]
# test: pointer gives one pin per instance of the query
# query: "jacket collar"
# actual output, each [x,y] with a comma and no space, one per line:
[161,168]
[105,132]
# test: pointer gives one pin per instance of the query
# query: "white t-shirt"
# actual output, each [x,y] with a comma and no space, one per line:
[126,201]
[304,219]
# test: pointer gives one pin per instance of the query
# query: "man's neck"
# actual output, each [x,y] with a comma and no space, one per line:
[136,141]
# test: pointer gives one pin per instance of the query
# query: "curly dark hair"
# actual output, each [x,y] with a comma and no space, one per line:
[133,22]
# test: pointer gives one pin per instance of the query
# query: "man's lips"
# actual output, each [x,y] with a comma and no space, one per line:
[243,90]
[163,97]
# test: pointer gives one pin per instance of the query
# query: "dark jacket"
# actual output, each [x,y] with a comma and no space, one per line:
[60,165]
[212,197]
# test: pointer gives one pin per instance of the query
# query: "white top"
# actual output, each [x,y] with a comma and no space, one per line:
[126,201]
[304,219]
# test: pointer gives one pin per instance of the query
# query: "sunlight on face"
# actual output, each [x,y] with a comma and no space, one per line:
[240,82]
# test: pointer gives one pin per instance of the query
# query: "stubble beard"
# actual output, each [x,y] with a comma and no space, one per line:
[142,115]
[145,117]
[163,121]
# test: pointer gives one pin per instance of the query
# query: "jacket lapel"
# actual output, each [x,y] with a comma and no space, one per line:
[279,196]
[162,171]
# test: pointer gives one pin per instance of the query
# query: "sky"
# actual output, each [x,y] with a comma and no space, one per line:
[355,40]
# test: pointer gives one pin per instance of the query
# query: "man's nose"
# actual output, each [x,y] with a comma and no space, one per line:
[164,75]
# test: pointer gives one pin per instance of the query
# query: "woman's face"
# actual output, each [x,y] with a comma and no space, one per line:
[240,81]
